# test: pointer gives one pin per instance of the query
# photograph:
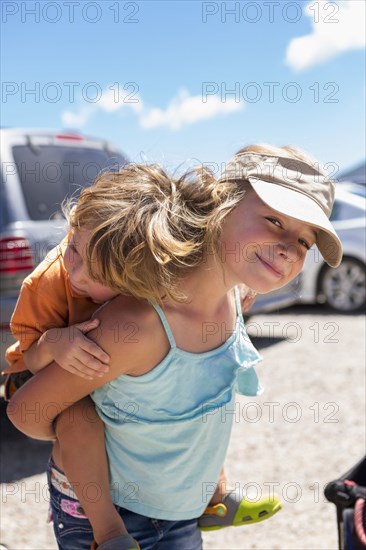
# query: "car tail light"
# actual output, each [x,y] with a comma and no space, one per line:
[16,256]
[73,137]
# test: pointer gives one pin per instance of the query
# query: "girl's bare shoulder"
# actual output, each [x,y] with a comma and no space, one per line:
[131,329]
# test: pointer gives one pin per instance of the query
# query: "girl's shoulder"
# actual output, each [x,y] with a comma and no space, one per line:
[131,333]
[126,309]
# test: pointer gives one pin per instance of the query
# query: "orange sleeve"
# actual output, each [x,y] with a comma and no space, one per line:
[36,311]
[42,304]
[14,358]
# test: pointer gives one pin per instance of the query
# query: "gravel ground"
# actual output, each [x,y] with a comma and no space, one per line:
[305,430]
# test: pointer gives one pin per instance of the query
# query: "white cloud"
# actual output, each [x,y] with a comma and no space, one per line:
[186,109]
[111,100]
[182,110]
[114,99]
[337,27]
[77,120]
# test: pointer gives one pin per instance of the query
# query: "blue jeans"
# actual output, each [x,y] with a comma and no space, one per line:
[73,533]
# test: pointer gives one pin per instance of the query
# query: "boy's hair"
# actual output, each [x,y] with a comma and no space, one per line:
[148,228]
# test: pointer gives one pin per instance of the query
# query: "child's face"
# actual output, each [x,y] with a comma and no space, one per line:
[263,248]
[75,264]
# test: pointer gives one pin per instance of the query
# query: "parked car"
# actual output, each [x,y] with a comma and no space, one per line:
[356,175]
[355,188]
[344,288]
[277,299]
[39,169]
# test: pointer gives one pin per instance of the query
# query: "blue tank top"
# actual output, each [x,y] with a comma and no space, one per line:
[167,431]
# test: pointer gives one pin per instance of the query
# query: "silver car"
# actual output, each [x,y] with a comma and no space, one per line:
[344,288]
[39,169]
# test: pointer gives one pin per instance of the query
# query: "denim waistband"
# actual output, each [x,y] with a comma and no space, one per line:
[59,481]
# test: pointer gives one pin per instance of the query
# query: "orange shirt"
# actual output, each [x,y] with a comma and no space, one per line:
[46,300]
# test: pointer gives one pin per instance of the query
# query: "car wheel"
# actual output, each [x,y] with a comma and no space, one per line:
[344,288]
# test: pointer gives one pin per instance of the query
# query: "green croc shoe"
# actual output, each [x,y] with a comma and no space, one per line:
[235,510]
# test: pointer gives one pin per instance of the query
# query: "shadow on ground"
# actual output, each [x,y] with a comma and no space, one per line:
[262,342]
[20,456]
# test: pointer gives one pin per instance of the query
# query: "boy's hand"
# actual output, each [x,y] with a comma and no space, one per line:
[75,352]
[247,298]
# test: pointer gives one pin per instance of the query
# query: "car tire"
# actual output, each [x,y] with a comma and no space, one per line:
[344,288]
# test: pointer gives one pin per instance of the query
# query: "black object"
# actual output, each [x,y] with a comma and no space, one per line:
[344,492]
[14,381]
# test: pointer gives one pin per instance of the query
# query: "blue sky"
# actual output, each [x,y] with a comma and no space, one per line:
[177,81]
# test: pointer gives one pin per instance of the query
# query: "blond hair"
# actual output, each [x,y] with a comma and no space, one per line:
[149,228]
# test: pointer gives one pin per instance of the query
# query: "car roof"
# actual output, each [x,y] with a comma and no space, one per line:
[40,132]
[54,137]
[43,132]
[347,193]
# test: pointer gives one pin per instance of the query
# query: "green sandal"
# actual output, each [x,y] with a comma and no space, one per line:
[235,510]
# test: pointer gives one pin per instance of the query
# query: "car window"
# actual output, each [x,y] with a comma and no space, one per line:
[49,173]
[344,211]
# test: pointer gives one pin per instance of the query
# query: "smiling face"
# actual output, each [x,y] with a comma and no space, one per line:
[75,264]
[261,247]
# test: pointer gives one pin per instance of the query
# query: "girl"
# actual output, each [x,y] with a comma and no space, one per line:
[59,293]
[198,240]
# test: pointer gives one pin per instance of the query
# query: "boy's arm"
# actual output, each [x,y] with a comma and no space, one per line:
[39,323]
[54,389]
[70,348]
[39,355]
[34,313]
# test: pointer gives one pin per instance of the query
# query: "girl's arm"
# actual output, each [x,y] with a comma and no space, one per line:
[35,406]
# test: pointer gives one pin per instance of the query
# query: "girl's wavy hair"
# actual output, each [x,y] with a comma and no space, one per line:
[148,229]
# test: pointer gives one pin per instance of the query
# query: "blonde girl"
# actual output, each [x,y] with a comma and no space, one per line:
[177,249]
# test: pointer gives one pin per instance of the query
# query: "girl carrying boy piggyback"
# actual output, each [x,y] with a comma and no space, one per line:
[160,249]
